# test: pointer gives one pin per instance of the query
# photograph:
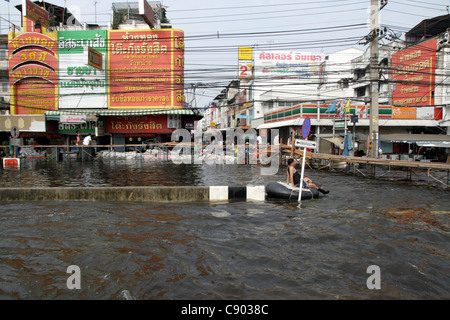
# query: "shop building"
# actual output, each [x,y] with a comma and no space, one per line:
[413,95]
[123,85]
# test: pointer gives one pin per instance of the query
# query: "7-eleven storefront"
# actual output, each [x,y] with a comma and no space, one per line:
[121,127]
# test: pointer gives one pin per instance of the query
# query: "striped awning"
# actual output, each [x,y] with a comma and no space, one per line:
[54,115]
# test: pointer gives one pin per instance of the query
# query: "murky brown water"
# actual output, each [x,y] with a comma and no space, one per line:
[232,250]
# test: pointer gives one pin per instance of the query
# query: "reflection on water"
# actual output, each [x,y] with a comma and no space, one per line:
[228,250]
[38,172]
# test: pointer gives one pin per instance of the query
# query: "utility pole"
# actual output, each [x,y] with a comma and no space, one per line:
[374,78]
[95,8]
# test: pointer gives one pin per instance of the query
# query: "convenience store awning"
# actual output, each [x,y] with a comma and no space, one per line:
[54,115]
[298,122]
[425,140]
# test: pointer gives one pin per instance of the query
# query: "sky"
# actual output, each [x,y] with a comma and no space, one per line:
[214,30]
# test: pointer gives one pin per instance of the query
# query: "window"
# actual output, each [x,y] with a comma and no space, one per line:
[360,73]
[360,92]
[343,83]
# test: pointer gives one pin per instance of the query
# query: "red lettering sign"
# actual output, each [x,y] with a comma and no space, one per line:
[138,124]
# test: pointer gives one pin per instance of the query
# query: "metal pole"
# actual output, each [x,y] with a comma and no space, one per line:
[374,27]
[300,188]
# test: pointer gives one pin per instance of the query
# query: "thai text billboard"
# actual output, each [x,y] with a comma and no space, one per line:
[81,86]
[33,73]
[413,71]
[273,65]
[146,68]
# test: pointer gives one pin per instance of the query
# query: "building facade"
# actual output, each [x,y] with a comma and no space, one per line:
[122,85]
[413,95]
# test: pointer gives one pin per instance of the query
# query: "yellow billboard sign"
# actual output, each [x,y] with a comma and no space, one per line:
[245,53]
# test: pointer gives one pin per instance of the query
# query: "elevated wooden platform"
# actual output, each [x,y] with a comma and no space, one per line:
[431,173]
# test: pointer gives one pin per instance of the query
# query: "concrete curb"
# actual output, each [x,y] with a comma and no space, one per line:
[144,194]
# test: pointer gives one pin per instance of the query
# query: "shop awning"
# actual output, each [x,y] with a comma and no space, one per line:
[54,115]
[25,123]
[336,140]
[436,144]
[426,140]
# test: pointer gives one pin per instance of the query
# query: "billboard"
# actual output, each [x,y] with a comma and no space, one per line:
[273,65]
[138,124]
[81,86]
[413,71]
[141,69]
[33,73]
[146,69]
[245,69]
[245,53]
[35,13]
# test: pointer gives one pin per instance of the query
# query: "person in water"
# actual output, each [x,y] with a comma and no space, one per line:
[293,178]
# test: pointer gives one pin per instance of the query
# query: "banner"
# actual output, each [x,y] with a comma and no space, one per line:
[146,68]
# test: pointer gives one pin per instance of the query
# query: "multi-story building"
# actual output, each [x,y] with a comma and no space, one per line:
[413,95]
[4,83]
[337,75]
[123,83]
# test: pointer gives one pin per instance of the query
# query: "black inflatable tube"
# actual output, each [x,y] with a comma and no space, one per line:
[281,191]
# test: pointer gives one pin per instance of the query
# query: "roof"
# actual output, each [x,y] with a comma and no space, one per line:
[429,27]
[54,115]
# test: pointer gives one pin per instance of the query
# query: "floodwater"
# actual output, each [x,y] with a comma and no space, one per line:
[227,250]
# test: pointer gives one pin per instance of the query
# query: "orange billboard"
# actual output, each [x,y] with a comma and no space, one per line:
[35,96]
[413,71]
[404,113]
[146,69]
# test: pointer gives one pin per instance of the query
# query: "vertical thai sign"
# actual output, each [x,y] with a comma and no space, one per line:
[81,85]
[146,69]
[33,73]
[413,71]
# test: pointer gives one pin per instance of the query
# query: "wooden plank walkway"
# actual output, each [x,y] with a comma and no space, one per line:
[431,173]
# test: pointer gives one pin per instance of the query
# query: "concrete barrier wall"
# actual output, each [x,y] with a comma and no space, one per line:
[144,194]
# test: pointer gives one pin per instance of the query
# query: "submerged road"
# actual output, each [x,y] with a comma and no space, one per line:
[221,250]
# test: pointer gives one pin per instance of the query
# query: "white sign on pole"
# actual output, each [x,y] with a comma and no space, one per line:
[305,144]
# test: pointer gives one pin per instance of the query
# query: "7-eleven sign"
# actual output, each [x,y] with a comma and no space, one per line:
[361,112]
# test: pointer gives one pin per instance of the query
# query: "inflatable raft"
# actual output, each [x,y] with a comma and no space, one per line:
[282,190]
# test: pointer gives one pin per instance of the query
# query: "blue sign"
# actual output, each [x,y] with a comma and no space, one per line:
[306,128]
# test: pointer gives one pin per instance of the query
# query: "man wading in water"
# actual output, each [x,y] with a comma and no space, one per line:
[293,178]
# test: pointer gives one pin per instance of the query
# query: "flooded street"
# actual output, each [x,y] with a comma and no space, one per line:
[226,250]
